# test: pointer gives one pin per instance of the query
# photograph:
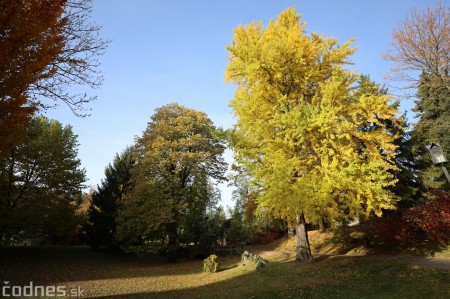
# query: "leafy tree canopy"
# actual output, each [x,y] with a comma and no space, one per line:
[176,158]
[41,175]
[301,127]
[30,40]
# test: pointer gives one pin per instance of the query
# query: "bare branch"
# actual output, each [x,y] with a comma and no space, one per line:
[77,63]
[421,44]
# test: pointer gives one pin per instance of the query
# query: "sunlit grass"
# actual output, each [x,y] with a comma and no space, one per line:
[353,241]
[107,274]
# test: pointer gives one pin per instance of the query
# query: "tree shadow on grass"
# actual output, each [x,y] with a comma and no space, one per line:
[425,248]
[113,275]
[361,240]
[344,277]
[53,265]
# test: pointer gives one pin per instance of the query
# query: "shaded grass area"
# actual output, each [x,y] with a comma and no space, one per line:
[114,275]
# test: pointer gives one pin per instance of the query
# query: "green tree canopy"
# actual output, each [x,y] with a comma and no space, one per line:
[176,158]
[107,198]
[42,175]
[433,126]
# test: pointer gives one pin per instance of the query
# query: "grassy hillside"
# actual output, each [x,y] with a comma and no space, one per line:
[352,241]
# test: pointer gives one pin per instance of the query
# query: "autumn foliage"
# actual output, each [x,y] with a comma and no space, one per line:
[429,221]
[30,40]
[314,146]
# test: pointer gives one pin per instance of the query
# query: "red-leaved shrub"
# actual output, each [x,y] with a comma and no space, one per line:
[432,218]
[427,221]
[391,228]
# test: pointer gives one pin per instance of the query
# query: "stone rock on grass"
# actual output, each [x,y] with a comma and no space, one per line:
[251,257]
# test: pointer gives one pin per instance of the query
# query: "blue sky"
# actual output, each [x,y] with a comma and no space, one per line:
[175,51]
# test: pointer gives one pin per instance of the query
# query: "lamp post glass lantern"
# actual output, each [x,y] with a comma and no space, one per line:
[437,155]
[438,158]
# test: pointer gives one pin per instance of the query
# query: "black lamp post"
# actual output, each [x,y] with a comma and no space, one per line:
[438,158]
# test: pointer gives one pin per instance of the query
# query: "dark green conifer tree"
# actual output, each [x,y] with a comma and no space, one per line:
[101,227]
[433,126]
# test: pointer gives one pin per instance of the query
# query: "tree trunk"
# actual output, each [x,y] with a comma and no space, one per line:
[321,225]
[172,242]
[303,249]
[290,229]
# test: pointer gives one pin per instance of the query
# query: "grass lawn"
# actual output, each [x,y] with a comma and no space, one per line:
[114,275]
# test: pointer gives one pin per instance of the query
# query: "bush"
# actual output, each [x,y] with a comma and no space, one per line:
[211,264]
[427,221]
[432,218]
[392,229]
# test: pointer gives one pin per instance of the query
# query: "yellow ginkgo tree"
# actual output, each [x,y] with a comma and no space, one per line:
[317,148]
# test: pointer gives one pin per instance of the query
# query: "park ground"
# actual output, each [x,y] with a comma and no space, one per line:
[341,270]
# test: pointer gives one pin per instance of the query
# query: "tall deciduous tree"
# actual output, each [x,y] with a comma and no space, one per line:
[421,44]
[45,47]
[175,158]
[300,128]
[107,198]
[195,226]
[41,180]
[31,39]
